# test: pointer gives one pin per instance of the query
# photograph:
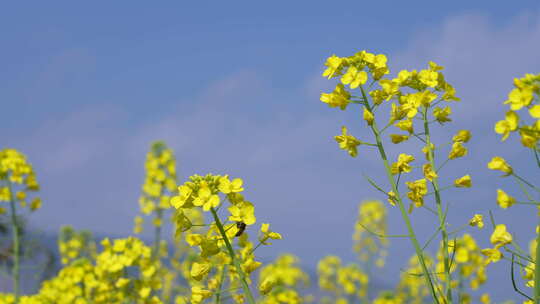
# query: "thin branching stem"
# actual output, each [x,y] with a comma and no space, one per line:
[16,245]
[232,255]
[514,281]
[442,217]
[404,214]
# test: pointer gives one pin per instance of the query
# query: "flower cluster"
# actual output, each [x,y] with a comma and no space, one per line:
[160,179]
[215,246]
[15,170]
[371,222]
[525,95]
[280,280]
[409,97]
[342,281]
[75,245]
[123,272]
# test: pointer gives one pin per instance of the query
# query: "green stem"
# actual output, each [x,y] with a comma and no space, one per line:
[221,279]
[526,182]
[537,271]
[440,212]
[535,203]
[404,215]
[16,246]
[258,245]
[236,263]
[442,165]
[157,233]
[440,190]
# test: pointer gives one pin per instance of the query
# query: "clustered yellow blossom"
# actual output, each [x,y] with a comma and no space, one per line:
[17,179]
[371,221]
[343,282]
[469,262]
[525,95]
[75,245]
[499,238]
[347,142]
[215,246]
[429,88]
[123,272]
[159,182]
[279,281]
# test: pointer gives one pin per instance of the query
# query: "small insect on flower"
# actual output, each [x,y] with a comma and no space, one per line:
[241,226]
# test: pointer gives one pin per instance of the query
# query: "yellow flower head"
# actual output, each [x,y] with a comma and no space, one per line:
[402,165]
[441,114]
[534,111]
[418,189]
[498,163]
[500,236]
[519,98]
[477,220]
[226,186]
[492,254]
[199,270]
[267,284]
[509,124]
[242,212]
[334,66]
[428,172]
[185,193]
[463,182]
[428,77]
[347,142]
[504,200]
[354,77]
[396,138]
[462,136]
[267,234]
[368,117]
[457,151]
[198,295]
[392,198]
[206,199]
[405,125]
[340,97]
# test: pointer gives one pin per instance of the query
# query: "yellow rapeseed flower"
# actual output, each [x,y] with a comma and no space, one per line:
[354,77]
[534,111]
[463,182]
[199,270]
[368,117]
[462,136]
[396,138]
[500,236]
[499,163]
[206,199]
[441,114]
[504,200]
[227,186]
[347,142]
[492,254]
[457,151]
[334,65]
[418,189]
[509,124]
[477,220]
[402,165]
[340,97]
[405,125]
[429,173]
[519,98]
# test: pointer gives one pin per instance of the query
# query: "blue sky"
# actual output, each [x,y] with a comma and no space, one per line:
[234,88]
